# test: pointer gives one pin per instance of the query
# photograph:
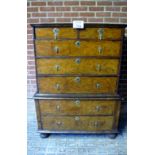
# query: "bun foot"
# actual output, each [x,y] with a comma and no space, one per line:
[44,135]
[112,136]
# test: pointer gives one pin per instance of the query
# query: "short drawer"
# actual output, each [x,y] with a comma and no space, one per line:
[77,85]
[78,66]
[101,33]
[77,48]
[55,33]
[77,123]
[77,107]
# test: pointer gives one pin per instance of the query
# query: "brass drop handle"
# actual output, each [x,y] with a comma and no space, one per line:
[77,102]
[56,49]
[56,32]
[98,85]
[98,108]
[77,118]
[59,123]
[77,61]
[96,124]
[100,50]
[58,107]
[57,86]
[100,33]
[57,67]
[98,67]
[77,79]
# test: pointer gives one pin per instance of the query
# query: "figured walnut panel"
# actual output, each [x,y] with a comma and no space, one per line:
[108,33]
[77,66]
[77,107]
[80,123]
[69,48]
[45,33]
[71,85]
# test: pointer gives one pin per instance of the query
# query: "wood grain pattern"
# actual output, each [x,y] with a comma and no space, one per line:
[77,107]
[85,66]
[86,48]
[69,85]
[108,33]
[81,123]
[63,33]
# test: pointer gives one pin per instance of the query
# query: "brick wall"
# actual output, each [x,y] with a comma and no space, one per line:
[66,11]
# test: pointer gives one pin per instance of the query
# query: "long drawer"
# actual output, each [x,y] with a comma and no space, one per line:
[77,66]
[79,123]
[77,84]
[77,107]
[77,48]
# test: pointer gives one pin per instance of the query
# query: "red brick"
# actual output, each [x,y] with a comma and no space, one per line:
[124,9]
[31,67]
[63,20]
[95,19]
[31,77]
[112,8]
[87,3]
[71,3]
[38,3]
[84,19]
[30,57]
[63,8]
[119,14]
[79,8]
[55,14]
[28,15]
[119,3]
[103,14]
[111,20]
[39,15]
[33,81]
[30,36]
[28,3]
[96,9]
[32,9]
[30,46]
[29,31]
[87,14]
[47,9]
[70,14]
[31,62]
[33,20]
[104,3]
[47,20]
[123,20]
[29,41]
[55,3]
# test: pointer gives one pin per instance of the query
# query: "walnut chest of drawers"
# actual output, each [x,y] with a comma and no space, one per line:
[77,73]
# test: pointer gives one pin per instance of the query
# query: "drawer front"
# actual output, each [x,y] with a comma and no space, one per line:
[79,123]
[76,107]
[77,84]
[77,48]
[77,66]
[56,33]
[101,33]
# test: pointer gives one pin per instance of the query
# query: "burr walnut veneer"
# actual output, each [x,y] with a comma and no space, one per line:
[77,74]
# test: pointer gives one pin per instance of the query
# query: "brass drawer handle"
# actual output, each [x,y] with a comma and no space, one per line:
[100,50]
[57,86]
[56,49]
[77,43]
[100,33]
[57,67]
[58,107]
[56,32]
[77,79]
[77,61]
[98,67]
[98,85]
[59,123]
[77,102]
[77,118]
[98,108]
